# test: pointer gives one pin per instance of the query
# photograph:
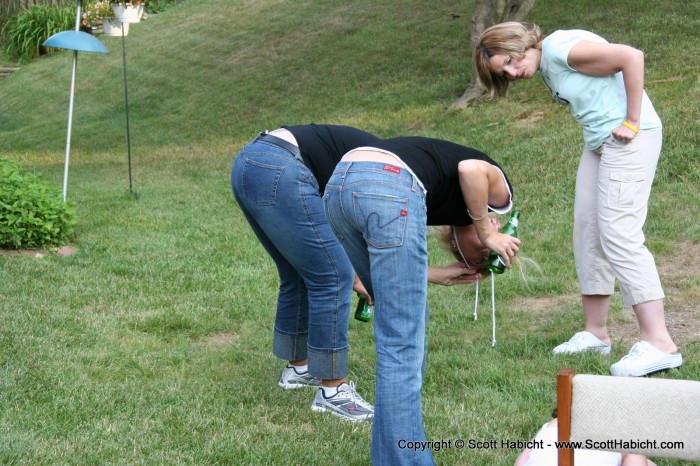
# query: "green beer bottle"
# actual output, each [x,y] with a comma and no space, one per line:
[495,263]
[364,311]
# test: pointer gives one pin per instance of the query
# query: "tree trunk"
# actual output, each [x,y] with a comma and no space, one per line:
[487,13]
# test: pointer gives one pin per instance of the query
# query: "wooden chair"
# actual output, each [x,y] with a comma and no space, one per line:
[648,416]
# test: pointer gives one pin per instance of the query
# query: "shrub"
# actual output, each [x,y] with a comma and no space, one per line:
[30,28]
[31,214]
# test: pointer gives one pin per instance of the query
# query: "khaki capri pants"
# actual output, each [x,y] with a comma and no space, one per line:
[613,186]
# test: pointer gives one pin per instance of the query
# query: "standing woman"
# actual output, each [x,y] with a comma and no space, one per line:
[379,202]
[604,85]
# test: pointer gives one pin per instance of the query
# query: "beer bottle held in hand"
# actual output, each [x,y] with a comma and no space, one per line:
[495,263]
[364,311]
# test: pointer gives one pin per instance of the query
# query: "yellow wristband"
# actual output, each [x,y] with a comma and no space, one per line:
[631,126]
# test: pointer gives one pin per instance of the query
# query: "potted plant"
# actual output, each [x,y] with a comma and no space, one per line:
[94,13]
[112,25]
[128,11]
[114,16]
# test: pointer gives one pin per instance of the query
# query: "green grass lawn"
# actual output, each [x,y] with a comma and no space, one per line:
[152,344]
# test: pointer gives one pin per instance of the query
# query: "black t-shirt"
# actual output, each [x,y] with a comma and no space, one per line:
[322,146]
[434,162]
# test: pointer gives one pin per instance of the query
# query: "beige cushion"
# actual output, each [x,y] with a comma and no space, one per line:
[637,415]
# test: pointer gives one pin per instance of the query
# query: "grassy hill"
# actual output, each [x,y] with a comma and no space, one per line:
[152,344]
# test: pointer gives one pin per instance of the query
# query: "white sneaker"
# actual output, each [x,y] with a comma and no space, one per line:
[582,341]
[292,378]
[345,403]
[644,359]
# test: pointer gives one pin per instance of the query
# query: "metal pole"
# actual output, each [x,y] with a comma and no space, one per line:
[70,106]
[126,103]
[70,125]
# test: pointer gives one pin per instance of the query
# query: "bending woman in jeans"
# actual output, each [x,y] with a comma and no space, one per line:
[277,180]
[379,202]
[604,85]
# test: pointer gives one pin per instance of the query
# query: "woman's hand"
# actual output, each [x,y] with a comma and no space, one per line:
[453,274]
[360,289]
[623,134]
[504,245]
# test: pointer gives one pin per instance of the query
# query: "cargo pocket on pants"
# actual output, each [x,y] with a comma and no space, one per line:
[624,189]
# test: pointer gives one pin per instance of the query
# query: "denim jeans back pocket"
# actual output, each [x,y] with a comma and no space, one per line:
[625,189]
[384,218]
[260,182]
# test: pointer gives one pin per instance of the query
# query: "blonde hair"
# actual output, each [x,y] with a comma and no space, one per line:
[522,264]
[511,38]
[444,236]
[446,240]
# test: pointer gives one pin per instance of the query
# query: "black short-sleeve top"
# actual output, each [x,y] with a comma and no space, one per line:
[322,146]
[435,162]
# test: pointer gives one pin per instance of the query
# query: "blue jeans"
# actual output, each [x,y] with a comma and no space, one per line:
[378,213]
[280,198]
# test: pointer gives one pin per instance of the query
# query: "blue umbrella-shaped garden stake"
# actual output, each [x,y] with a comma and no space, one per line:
[73,40]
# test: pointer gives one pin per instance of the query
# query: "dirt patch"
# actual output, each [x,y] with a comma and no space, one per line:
[7,71]
[39,253]
[528,119]
[678,275]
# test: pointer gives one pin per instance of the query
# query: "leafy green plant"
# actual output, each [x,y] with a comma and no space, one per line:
[27,31]
[31,214]
[93,13]
[7,10]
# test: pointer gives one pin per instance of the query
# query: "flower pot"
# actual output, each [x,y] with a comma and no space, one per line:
[112,27]
[128,13]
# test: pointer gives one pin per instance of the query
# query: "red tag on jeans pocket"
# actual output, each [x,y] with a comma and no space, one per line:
[404,213]
[391,168]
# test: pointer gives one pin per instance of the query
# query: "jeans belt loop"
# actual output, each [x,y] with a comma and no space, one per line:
[279,142]
[345,171]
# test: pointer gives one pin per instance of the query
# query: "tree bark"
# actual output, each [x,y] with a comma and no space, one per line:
[487,13]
